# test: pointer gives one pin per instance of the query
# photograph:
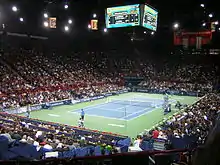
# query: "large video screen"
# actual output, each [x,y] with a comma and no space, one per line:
[150,18]
[123,16]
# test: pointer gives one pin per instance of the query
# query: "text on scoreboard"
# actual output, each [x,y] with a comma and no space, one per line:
[123,16]
[150,18]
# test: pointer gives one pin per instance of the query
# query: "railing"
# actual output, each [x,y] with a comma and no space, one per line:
[172,92]
[138,158]
[61,102]
[76,129]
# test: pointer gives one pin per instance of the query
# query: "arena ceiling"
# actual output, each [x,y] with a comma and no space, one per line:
[189,14]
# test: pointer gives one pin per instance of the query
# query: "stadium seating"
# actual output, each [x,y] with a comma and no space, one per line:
[186,140]
[33,77]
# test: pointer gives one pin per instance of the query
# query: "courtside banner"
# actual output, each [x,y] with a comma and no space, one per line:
[173,92]
[16,110]
[123,91]
[75,101]
[36,107]
[59,103]
[108,94]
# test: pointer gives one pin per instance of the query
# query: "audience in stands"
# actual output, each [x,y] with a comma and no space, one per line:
[29,76]
[47,138]
[196,121]
[32,77]
[41,137]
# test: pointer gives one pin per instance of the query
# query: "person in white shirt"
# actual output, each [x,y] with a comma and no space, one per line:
[136,145]
[81,123]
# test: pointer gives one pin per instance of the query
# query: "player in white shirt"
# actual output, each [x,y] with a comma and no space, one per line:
[81,123]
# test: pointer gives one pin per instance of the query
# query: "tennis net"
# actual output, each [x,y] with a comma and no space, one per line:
[135,102]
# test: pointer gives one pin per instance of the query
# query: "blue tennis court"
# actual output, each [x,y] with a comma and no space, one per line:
[123,109]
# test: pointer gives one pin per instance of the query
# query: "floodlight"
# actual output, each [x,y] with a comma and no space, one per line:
[216,22]
[21,19]
[202,5]
[45,15]
[94,15]
[176,26]
[46,24]
[105,30]
[66,28]
[14,8]
[66,6]
[210,15]
[70,21]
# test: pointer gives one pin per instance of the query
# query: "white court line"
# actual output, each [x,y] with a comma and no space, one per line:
[100,116]
[116,125]
[136,112]
[116,110]
[144,113]
[160,100]
[100,105]
[106,109]
[54,115]
[140,114]
[95,105]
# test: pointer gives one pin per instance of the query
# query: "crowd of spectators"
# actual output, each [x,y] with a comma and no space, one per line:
[28,77]
[32,77]
[45,137]
[188,77]
[196,121]
[177,86]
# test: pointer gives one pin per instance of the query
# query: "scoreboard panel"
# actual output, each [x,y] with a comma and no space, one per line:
[150,18]
[123,16]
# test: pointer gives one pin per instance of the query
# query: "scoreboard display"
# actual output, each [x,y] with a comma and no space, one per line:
[123,16]
[132,15]
[150,18]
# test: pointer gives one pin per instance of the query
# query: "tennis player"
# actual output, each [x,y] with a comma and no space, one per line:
[28,112]
[81,123]
[82,114]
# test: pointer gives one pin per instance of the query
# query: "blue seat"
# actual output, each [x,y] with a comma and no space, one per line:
[107,152]
[145,146]
[3,148]
[26,151]
[68,154]
[98,151]
[124,149]
[42,151]
[78,152]
[83,152]
[91,150]
[125,142]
